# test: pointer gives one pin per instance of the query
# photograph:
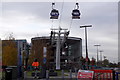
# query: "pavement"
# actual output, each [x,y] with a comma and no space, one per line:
[33,79]
[52,79]
[67,77]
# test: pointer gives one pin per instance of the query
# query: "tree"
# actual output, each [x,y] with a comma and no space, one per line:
[37,52]
[10,36]
[113,65]
[119,64]
[93,61]
[9,53]
[82,60]
[0,48]
[0,52]
[105,62]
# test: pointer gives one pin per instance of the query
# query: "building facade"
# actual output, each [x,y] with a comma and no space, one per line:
[70,53]
[13,52]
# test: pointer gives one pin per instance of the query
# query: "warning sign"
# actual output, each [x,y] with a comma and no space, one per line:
[85,74]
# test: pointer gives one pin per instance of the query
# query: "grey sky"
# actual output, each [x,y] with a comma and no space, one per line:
[28,19]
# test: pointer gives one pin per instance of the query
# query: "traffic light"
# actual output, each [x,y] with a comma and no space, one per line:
[51,37]
[66,35]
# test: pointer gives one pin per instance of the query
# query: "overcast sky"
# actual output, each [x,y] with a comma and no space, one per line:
[31,19]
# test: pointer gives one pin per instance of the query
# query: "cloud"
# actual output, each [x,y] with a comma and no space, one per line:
[60,0]
[30,19]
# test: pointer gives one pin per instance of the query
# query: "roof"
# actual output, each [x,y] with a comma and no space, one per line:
[47,37]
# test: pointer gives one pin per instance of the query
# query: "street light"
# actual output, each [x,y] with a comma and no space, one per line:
[101,54]
[97,45]
[101,62]
[85,26]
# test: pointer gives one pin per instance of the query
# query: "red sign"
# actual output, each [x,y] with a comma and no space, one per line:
[85,74]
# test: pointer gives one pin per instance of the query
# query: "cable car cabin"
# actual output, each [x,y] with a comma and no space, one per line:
[75,14]
[54,14]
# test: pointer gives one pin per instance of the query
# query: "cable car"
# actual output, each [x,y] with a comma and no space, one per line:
[76,13]
[54,14]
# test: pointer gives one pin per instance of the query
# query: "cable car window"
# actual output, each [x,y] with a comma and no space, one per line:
[54,14]
[76,13]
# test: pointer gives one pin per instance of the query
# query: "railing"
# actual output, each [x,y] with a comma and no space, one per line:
[98,74]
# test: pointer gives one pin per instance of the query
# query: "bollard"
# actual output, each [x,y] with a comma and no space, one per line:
[62,74]
[25,74]
[70,73]
[75,72]
[47,75]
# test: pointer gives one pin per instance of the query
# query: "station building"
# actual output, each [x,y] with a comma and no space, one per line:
[69,55]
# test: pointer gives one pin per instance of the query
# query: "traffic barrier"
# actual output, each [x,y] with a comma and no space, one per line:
[104,74]
[85,75]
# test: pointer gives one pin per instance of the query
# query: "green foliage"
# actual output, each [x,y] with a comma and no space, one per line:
[113,65]
[105,62]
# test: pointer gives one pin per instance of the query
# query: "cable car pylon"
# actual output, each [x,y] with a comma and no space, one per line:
[58,32]
[57,39]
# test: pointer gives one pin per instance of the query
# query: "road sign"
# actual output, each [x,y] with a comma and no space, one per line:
[85,74]
[44,60]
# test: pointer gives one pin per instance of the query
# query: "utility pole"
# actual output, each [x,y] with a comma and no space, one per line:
[58,45]
[86,42]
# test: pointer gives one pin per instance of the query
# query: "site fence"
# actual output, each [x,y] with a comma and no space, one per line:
[104,74]
[98,75]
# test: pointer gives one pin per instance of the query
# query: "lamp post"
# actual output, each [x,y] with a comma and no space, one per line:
[101,62]
[101,54]
[97,45]
[85,26]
